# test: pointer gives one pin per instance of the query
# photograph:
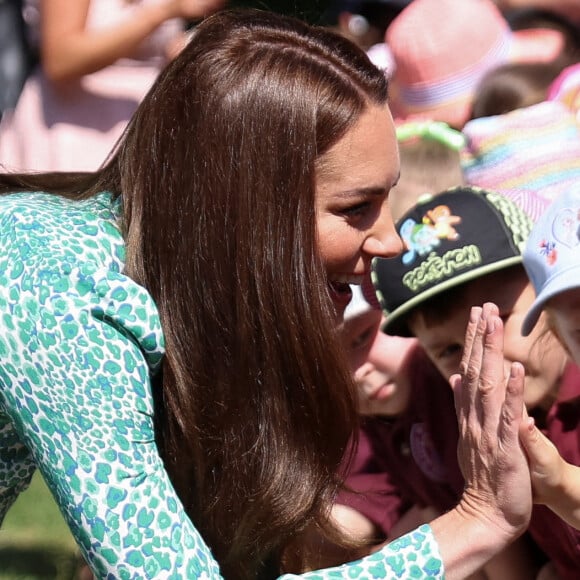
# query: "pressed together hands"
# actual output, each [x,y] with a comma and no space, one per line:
[507,463]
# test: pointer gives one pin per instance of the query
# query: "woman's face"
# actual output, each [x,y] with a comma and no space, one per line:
[353,181]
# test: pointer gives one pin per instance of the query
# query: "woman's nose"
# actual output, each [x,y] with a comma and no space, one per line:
[383,240]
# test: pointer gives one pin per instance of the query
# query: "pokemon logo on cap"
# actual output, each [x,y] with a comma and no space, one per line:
[450,238]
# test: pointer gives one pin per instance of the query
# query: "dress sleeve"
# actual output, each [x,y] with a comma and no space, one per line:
[415,555]
[78,345]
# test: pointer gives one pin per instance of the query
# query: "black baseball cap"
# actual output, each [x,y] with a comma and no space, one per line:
[449,238]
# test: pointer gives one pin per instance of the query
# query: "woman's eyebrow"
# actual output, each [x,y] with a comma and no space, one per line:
[357,191]
[369,190]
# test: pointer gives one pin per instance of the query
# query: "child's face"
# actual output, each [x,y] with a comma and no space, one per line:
[564,313]
[377,362]
[542,356]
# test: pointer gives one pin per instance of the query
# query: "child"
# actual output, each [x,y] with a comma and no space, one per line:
[514,86]
[464,248]
[552,261]
[404,470]
[430,162]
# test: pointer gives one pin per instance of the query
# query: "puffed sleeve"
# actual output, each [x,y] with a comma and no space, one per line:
[78,346]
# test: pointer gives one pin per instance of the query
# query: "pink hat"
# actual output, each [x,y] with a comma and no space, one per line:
[442,49]
[530,154]
[566,89]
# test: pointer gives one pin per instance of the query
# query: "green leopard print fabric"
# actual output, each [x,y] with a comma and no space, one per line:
[79,342]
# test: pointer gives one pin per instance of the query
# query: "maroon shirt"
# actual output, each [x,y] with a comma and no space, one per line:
[410,460]
[415,458]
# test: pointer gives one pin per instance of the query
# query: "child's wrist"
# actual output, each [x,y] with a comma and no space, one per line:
[568,480]
[561,486]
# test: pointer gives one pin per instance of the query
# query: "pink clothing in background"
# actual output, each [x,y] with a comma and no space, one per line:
[74,126]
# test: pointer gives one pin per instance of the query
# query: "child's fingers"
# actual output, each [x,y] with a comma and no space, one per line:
[539,449]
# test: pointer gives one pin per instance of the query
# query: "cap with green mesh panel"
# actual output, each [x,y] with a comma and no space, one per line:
[449,238]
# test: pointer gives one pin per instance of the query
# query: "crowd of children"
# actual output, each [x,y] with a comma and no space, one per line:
[464,248]
[488,208]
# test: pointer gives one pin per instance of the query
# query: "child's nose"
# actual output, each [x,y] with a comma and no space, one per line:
[362,372]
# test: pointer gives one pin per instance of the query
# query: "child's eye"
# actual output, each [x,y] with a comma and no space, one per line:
[361,340]
[449,351]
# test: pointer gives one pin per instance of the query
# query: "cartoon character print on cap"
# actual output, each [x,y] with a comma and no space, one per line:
[421,238]
[565,230]
[548,249]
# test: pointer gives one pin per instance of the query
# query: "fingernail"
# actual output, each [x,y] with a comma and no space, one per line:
[515,370]
[491,325]
[474,314]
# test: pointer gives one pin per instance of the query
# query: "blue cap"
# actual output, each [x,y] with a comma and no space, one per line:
[552,254]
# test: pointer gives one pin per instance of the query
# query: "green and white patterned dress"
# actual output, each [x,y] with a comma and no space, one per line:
[79,341]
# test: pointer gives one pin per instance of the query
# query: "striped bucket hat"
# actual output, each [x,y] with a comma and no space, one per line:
[535,149]
[442,48]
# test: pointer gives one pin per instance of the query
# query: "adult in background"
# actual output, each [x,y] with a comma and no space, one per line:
[98,58]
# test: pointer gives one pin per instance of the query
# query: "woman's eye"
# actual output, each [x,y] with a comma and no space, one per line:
[357,210]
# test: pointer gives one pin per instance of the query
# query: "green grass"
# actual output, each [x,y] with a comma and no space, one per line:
[35,542]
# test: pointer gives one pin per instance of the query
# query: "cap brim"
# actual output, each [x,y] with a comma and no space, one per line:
[536,45]
[569,279]
[396,324]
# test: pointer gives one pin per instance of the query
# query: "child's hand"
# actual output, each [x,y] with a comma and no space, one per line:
[546,465]
[555,482]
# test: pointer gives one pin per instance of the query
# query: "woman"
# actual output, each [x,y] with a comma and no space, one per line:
[170,359]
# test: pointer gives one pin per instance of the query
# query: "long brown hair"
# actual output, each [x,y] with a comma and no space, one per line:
[216,169]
